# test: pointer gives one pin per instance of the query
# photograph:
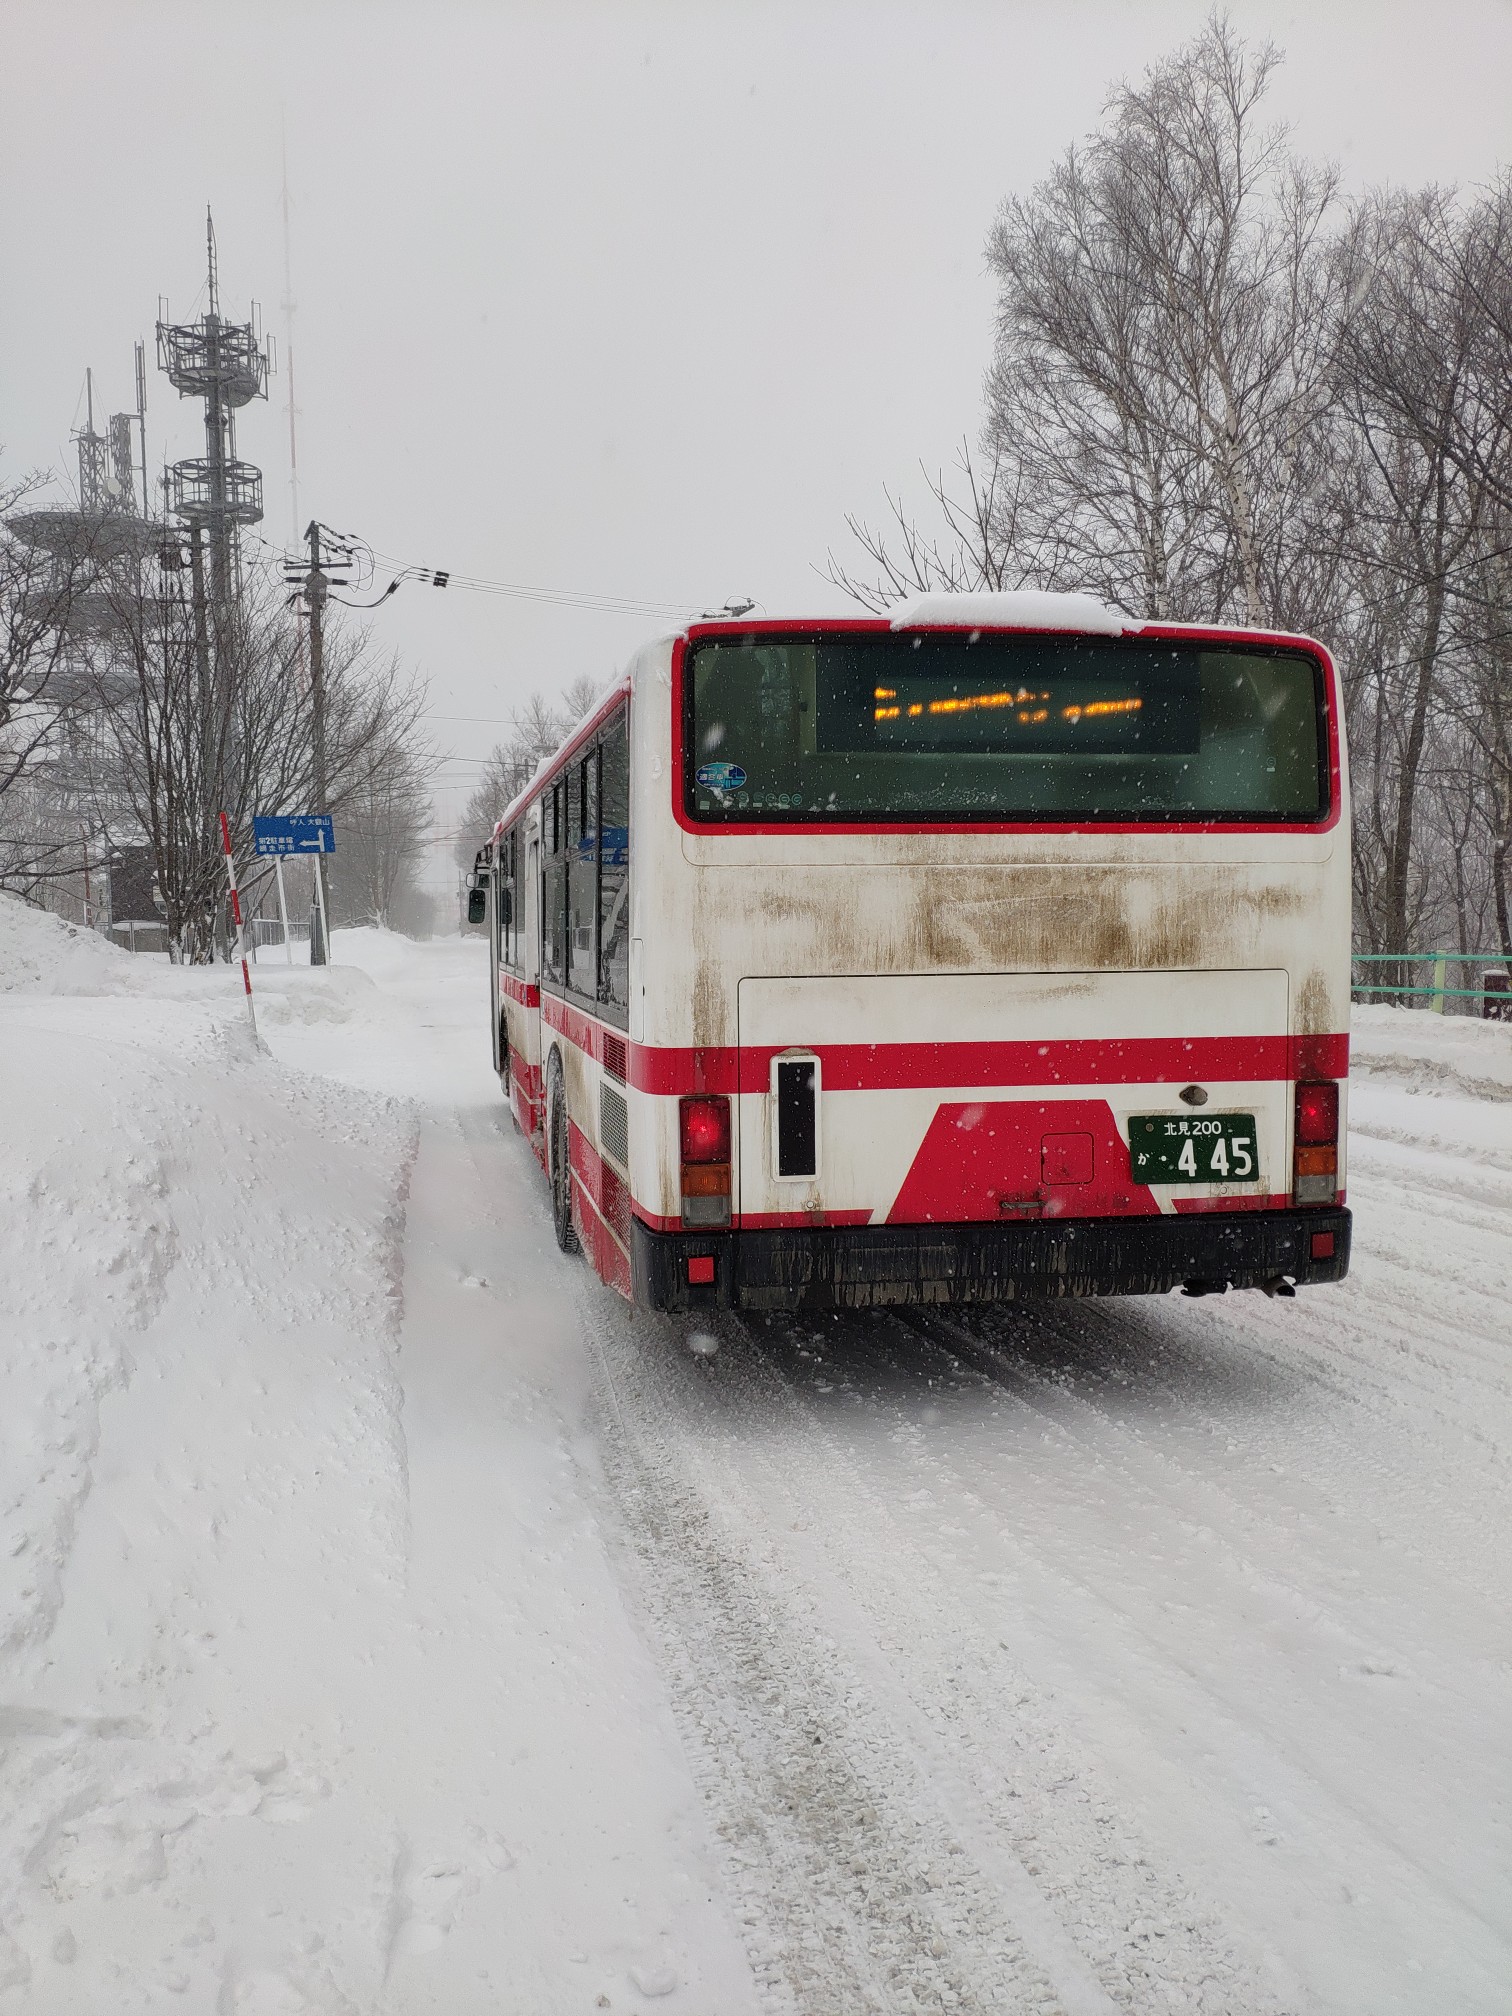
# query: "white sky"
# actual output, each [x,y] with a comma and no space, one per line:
[635,299]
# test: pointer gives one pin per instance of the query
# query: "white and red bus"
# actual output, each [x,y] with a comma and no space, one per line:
[995,949]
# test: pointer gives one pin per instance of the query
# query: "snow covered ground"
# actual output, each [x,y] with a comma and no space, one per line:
[392,1622]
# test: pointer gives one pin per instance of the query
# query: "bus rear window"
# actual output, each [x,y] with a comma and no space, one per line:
[952,726]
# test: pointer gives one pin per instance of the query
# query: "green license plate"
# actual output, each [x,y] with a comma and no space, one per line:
[1194,1148]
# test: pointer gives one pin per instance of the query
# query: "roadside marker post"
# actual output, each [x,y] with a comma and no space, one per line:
[236,913]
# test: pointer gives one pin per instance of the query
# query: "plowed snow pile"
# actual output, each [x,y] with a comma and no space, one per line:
[1437,1053]
[198,1257]
[271,1741]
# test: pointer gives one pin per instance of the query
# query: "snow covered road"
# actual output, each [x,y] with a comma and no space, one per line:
[414,1628]
[1157,1653]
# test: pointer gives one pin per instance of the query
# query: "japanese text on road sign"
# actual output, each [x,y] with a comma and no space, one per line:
[294,833]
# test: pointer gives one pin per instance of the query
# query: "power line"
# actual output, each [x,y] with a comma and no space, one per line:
[624,605]
[564,598]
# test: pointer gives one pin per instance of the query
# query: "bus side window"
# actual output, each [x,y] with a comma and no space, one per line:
[516,922]
[614,867]
[554,881]
[582,875]
[504,886]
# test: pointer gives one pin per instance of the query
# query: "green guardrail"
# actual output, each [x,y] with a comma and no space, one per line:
[1496,969]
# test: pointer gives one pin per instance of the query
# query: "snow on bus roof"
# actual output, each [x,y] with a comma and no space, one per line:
[1022,609]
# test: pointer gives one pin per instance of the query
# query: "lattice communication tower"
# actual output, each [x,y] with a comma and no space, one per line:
[226,365]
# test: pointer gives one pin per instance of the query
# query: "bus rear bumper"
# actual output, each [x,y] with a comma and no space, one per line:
[870,1266]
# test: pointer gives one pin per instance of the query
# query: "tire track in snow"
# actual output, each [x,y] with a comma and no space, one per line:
[1130,1402]
[769,1648]
[1275,1735]
[855,1892]
[1014,1771]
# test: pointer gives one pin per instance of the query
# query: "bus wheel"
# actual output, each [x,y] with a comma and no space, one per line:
[561,1169]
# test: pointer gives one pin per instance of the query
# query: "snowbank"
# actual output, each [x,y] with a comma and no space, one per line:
[40,954]
[198,1257]
[1432,1053]
[317,1689]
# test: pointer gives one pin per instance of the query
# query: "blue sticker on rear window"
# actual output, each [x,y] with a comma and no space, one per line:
[720,776]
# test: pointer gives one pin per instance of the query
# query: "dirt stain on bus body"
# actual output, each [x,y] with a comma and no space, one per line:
[1114,921]
[1009,918]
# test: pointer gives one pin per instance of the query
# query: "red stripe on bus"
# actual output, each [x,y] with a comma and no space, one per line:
[893,1067]
[654,1221]
[604,1209]
[522,991]
[678,1071]
[1320,1057]
[579,1029]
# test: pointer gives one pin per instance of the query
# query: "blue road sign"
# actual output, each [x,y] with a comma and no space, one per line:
[294,833]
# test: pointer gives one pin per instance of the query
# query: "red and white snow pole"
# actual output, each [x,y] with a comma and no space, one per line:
[241,933]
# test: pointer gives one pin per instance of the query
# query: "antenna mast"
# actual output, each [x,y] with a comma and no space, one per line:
[225,365]
[288,310]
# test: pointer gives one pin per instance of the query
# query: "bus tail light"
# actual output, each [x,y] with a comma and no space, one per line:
[1315,1165]
[703,1125]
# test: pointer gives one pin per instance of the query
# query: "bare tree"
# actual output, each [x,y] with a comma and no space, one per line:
[976,548]
[191,726]
[1216,394]
[384,823]
[1406,341]
[1077,404]
[1162,369]
[535,731]
[1161,400]
[1462,254]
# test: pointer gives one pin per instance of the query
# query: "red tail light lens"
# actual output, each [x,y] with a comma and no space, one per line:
[1317,1115]
[1315,1156]
[705,1128]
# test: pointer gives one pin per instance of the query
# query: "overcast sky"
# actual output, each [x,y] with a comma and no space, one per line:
[632,299]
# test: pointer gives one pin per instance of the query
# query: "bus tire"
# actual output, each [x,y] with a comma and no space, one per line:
[559,1161]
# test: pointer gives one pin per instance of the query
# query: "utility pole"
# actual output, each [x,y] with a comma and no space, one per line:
[331,556]
[316,589]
